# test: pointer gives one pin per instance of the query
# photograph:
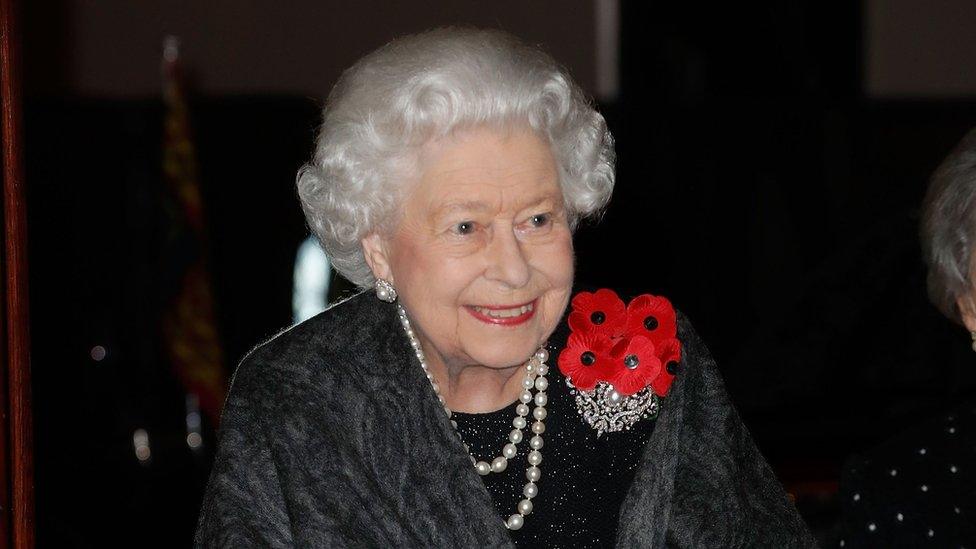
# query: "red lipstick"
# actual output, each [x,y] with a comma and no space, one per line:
[489,313]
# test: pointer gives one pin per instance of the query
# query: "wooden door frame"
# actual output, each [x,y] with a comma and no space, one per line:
[16,433]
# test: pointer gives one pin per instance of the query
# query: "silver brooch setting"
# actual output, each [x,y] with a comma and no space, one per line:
[607,411]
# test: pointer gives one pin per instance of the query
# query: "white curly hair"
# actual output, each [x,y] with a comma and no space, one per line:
[426,86]
[949,228]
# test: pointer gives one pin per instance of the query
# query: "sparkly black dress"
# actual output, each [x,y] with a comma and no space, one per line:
[917,489]
[585,478]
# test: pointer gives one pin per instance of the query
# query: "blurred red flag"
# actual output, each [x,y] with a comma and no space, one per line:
[189,325]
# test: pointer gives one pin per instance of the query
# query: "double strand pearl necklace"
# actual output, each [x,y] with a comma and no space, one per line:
[535,378]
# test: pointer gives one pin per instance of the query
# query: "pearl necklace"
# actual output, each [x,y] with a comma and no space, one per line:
[535,377]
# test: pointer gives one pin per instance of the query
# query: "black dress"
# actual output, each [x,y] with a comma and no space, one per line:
[584,477]
[917,489]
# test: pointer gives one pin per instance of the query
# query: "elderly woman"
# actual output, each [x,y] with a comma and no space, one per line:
[449,174]
[919,488]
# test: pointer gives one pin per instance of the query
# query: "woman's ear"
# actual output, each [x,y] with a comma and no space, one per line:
[967,311]
[967,308]
[377,256]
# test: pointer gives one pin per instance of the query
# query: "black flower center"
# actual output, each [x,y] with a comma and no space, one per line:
[598,317]
[650,323]
[673,368]
[631,361]
[587,358]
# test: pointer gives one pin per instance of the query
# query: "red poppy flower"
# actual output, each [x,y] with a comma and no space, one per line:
[602,312]
[669,351]
[586,359]
[635,364]
[651,316]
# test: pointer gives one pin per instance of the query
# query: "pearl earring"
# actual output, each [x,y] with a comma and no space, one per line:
[974,340]
[385,291]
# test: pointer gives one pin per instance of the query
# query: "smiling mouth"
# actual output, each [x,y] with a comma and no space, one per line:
[505,315]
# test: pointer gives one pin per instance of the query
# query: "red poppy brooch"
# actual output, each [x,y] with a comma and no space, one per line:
[619,359]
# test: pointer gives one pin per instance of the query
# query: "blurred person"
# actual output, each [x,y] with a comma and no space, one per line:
[918,489]
[311,280]
[451,170]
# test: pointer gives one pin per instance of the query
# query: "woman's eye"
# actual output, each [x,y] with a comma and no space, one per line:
[540,220]
[464,227]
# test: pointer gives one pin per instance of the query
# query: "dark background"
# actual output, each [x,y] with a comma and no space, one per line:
[772,158]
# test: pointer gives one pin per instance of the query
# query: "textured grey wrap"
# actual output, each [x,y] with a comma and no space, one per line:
[332,436]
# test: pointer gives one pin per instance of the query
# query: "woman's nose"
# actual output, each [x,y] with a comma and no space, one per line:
[506,259]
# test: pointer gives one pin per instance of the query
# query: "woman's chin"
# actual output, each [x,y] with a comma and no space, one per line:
[510,355]
[501,346]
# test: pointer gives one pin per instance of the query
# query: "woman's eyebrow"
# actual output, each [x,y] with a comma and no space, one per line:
[477,206]
[467,205]
[543,199]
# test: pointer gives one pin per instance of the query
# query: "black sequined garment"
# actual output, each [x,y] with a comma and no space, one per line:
[917,489]
[584,477]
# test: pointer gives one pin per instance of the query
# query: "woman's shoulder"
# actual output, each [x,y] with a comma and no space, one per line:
[337,339]
[323,330]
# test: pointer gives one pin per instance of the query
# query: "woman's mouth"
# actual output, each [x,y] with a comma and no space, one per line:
[507,315]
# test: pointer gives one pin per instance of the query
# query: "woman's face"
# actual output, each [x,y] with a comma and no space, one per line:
[482,258]
[967,301]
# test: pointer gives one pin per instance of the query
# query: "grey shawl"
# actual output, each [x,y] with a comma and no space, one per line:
[331,436]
